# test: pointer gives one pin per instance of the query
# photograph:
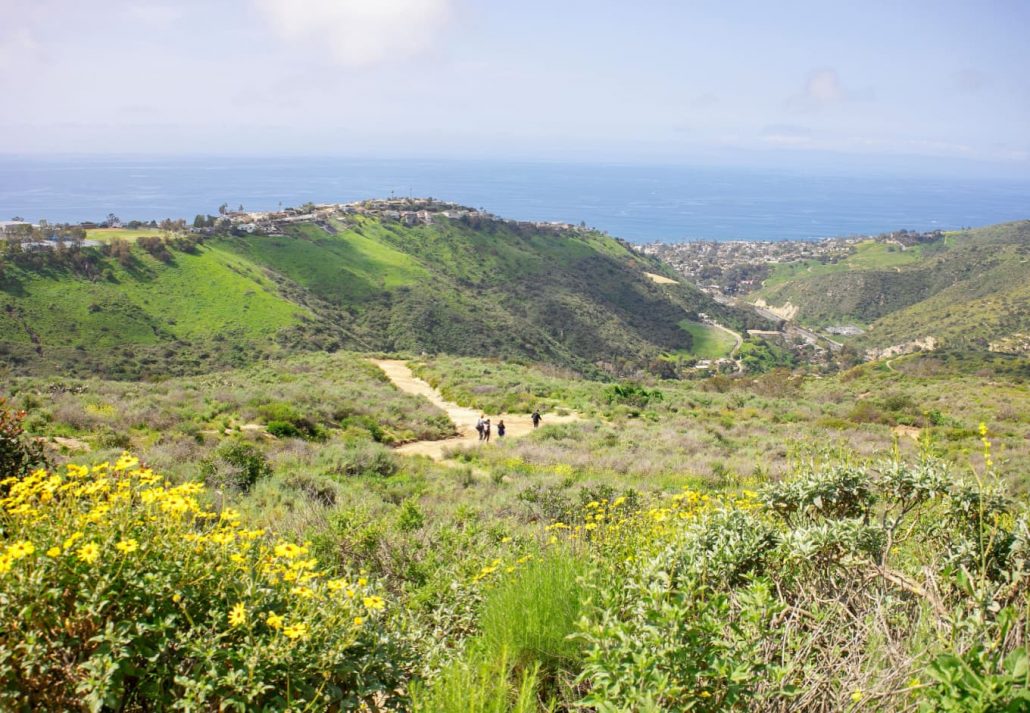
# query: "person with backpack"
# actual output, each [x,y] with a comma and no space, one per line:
[481,426]
[500,429]
[536,418]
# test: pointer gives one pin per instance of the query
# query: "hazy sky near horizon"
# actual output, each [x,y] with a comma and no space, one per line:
[915,83]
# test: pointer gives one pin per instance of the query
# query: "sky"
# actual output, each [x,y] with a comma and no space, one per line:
[920,84]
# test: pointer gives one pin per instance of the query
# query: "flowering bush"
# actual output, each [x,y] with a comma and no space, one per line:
[121,591]
[782,600]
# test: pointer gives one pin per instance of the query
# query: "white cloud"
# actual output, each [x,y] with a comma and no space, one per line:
[359,32]
[823,89]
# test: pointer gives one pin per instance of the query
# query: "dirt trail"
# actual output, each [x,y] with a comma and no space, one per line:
[464,418]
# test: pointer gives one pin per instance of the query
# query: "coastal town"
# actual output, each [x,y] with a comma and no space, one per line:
[328,216]
[737,267]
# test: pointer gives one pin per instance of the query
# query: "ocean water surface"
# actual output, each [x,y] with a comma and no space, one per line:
[638,203]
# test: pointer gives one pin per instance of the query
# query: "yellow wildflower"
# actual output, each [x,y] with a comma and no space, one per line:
[857,695]
[358,621]
[70,540]
[176,597]
[274,620]
[374,602]
[53,552]
[288,550]
[223,538]
[126,462]
[89,552]
[20,549]
[127,546]
[238,614]
[296,631]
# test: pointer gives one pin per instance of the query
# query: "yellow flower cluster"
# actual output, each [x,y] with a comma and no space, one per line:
[988,461]
[83,517]
[607,523]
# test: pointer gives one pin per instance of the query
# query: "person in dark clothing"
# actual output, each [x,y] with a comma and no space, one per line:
[486,431]
[500,429]
[536,418]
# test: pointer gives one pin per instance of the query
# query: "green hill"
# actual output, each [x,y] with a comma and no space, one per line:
[969,289]
[487,287]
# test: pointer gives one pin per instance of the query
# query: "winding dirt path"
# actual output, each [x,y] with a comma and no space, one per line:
[517,424]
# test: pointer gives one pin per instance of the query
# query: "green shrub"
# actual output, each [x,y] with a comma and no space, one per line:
[19,454]
[359,458]
[236,465]
[632,395]
[283,429]
[410,517]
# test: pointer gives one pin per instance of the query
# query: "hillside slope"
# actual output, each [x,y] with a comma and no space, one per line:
[488,287]
[972,289]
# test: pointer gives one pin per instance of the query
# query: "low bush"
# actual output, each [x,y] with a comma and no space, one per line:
[236,465]
[359,458]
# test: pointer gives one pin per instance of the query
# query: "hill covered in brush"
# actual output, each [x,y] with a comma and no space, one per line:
[969,288]
[139,304]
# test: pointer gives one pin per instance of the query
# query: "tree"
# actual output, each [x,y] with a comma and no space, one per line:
[112,221]
[222,209]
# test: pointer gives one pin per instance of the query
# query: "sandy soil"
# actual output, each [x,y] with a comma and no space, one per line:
[72,444]
[464,418]
[660,279]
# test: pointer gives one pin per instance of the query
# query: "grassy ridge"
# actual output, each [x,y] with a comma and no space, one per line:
[969,289]
[573,298]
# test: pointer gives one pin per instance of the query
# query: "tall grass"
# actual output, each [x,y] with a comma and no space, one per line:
[479,685]
[523,658]
[531,614]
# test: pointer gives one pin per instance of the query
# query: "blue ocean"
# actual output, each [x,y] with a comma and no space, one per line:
[637,203]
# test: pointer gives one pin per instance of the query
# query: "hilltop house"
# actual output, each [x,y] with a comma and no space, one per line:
[14,227]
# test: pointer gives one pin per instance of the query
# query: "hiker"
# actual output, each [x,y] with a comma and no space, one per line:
[500,429]
[486,431]
[536,418]
[481,426]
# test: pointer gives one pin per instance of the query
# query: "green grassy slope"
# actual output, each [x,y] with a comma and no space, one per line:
[489,287]
[57,316]
[968,290]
